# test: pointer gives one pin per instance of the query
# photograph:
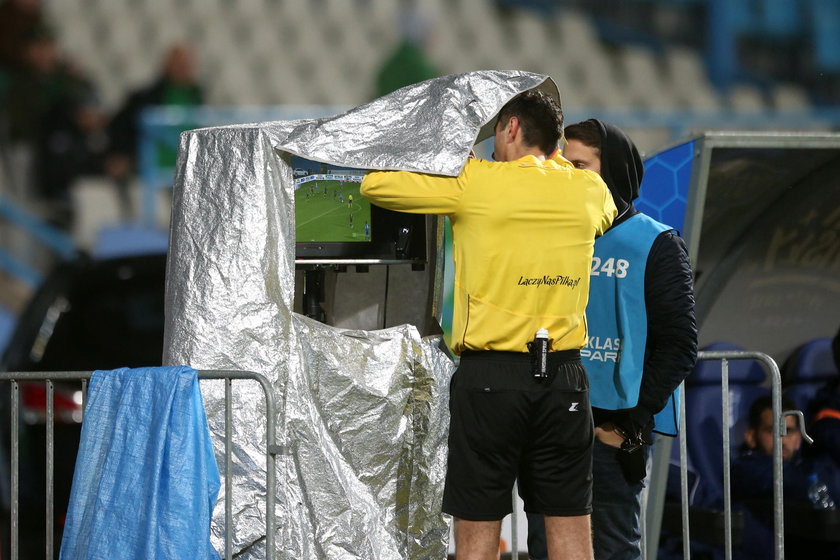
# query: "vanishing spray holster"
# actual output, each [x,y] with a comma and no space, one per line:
[539,349]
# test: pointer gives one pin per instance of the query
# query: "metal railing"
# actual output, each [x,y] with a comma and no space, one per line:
[272,449]
[779,430]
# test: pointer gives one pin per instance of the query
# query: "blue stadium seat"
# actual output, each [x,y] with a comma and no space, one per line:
[825,25]
[810,367]
[744,17]
[782,18]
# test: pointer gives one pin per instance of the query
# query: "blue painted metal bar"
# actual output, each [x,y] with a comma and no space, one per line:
[53,238]
[19,270]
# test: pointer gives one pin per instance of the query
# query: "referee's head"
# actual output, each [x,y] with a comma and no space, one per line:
[539,118]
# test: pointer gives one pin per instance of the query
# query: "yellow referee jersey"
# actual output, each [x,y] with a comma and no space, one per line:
[523,234]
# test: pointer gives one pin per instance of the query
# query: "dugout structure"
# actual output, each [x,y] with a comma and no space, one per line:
[760,213]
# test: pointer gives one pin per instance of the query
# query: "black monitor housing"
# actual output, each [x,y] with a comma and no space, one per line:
[331,229]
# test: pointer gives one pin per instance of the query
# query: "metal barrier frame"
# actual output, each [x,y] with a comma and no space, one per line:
[779,430]
[272,450]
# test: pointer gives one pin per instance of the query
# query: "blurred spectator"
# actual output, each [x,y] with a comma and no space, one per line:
[752,479]
[177,85]
[39,91]
[18,19]
[43,81]
[73,142]
[408,64]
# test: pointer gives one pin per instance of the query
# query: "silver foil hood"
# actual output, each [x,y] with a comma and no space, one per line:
[362,414]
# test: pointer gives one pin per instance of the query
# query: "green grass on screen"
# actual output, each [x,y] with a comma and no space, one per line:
[324,217]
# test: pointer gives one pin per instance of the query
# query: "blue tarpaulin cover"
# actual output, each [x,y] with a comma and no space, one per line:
[146,478]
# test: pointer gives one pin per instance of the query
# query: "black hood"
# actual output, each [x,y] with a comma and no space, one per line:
[621,168]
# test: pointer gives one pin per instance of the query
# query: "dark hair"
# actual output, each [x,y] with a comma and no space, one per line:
[540,117]
[766,403]
[585,132]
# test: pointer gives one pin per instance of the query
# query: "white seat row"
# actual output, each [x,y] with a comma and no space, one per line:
[328,51]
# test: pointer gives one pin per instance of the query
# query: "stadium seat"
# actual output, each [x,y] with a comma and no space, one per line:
[689,81]
[250,9]
[577,35]
[825,22]
[644,82]
[809,368]
[790,97]
[157,10]
[782,18]
[472,7]
[647,139]
[746,98]
[121,43]
[531,30]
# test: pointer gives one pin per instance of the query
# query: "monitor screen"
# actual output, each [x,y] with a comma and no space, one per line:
[333,222]
[328,206]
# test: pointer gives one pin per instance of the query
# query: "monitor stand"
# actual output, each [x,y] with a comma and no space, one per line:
[313,293]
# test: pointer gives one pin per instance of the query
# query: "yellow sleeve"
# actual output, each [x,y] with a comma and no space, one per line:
[418,193]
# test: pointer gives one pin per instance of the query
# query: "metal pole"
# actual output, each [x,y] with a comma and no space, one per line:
[50,531]
[514,533]
[779,429]
[684,482]
[726,420]
[654,503]
[15,483]
[84,397]
[228,470]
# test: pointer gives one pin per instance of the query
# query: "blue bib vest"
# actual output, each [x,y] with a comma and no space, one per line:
[617,319]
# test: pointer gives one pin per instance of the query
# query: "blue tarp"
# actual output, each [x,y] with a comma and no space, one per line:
[146,478]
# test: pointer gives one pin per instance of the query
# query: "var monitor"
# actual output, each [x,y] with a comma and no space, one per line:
[334,222]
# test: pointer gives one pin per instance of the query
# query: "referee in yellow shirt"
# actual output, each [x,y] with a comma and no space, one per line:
[523,231]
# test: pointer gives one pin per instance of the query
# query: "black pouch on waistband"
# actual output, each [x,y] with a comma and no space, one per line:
[633,460]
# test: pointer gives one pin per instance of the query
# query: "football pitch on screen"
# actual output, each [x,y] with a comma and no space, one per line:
[323,212]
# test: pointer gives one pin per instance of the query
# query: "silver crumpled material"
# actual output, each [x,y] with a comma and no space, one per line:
[362,416]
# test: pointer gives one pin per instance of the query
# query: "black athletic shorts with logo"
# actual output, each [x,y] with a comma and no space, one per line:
[507,425]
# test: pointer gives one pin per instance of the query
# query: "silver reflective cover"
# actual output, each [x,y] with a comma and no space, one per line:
[362,415]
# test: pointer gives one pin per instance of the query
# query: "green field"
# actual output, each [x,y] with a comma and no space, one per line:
[324,218]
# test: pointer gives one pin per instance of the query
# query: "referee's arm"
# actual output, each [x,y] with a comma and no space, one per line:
[418,193]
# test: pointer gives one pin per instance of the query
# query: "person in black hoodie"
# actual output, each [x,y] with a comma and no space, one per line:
[642,341]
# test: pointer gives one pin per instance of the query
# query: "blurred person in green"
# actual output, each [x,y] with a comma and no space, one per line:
[408,64]
[43,80]
[37,96]
[177,85]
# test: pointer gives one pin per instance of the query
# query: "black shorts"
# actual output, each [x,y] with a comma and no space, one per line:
[505,424]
